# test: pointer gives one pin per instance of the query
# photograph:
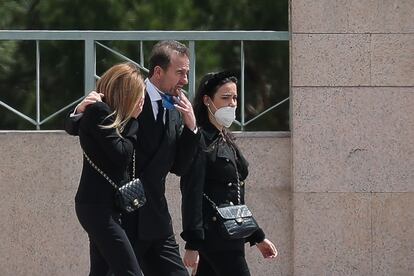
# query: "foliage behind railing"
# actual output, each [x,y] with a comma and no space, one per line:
[93,41]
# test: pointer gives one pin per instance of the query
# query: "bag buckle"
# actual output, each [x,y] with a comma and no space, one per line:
[239,220]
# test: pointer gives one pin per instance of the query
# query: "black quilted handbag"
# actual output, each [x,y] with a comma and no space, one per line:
[236,222]
[128,197]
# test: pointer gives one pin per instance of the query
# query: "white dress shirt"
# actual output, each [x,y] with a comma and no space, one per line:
[154,95]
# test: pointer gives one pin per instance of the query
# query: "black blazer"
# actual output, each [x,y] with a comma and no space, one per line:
[156,156]
[110,152]
[213,172]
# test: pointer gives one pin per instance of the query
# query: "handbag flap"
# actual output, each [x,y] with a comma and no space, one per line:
[234,212]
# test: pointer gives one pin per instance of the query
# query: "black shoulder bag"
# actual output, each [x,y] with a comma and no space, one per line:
[235,221]
[128,197]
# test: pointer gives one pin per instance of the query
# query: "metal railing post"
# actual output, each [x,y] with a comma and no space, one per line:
[92,40]
[242,85]
[191,76]
[90,65]
[37,85]
[141,54]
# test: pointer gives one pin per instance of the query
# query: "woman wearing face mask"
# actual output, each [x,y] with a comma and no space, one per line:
[216,176]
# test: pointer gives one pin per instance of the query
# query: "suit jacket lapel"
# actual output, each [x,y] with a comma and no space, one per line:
[170,123]
[147,111]
[161,152]
[146,129]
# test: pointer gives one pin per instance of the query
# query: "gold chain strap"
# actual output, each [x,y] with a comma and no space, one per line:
[238,177]
[238,183]
[104,174]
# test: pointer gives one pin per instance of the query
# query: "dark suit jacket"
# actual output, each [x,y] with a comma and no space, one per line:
[110,152]
[174,153]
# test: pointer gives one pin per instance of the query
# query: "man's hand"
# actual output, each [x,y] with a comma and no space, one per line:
[191,258]
[93,97]
[267,248]
[184,106]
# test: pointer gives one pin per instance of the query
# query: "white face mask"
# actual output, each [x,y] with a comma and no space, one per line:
[225,116]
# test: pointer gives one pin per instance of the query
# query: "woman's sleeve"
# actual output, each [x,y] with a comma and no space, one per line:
[71,124]
[242,165]
[118,148]
[192,188]
[257,237]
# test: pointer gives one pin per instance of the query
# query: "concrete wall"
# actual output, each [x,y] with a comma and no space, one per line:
[352,69]
[39,175]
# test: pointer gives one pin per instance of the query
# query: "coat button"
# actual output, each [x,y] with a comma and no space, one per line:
[227,160]
[229,184]
[213,218]
[241,183]
[231,203]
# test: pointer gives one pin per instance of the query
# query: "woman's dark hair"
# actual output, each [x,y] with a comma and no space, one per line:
[209,85]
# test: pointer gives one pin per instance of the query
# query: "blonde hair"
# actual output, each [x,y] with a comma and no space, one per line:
[122,86]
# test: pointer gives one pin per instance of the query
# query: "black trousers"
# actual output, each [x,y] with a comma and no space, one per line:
[222,263]
[110,249]
[160,257]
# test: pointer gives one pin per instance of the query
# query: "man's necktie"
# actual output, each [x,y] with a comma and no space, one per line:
[160,115]
[159,124]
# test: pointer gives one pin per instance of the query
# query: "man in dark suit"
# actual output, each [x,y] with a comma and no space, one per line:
[166,142]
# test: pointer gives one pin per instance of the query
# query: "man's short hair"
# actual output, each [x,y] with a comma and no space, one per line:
[161,54]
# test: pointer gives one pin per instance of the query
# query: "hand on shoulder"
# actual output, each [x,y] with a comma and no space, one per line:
[92,98]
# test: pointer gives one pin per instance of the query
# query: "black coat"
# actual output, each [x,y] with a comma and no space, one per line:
[156,156]
[213,172]
[109,151]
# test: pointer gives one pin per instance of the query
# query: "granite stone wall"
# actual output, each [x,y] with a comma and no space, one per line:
[352,102]
[39,175]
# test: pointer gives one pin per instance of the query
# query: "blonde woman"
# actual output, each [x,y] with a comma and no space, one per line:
[107,135]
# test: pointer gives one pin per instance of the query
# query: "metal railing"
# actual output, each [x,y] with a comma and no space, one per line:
[91,41]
